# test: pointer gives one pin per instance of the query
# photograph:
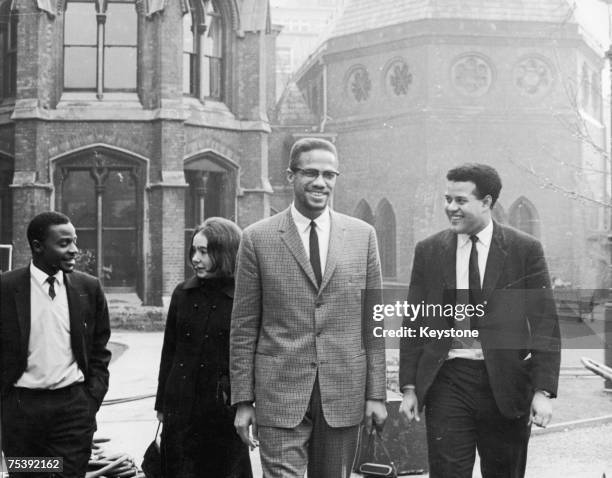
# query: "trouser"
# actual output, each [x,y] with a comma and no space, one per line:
[462,417]
[327,452]
[49,423]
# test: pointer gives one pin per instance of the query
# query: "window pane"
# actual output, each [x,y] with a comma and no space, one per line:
[119,263]
[79,199]
[187,33]
[80,24]
[119,200]
[80,67]
[121,24]
[86,242]
[120,68]
[187,71]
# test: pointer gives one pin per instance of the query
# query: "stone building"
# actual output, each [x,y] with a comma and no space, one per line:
[303,24]
[409,88]
[137,118]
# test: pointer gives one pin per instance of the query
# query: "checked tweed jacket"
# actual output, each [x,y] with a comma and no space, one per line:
[285,330]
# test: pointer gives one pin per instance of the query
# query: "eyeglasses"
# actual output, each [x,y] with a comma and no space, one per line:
[315,173]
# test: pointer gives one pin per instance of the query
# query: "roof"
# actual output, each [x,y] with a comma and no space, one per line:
[362,15]
[292,108]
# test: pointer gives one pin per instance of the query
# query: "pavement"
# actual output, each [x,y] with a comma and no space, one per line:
[576,444]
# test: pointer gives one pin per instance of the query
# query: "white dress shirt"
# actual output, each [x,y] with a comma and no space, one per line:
[462,271]
[323,223]
[51,362]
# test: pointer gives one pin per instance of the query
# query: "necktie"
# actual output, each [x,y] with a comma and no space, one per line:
[51,281]
[315,258]
[474,278]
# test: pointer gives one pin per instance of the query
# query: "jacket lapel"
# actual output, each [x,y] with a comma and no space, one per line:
[495,261]
[22,304]
[449,260]
[290,236]
[76,324]
[336,244]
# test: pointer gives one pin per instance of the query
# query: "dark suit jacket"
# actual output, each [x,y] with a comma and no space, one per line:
[89,328]
[519,332]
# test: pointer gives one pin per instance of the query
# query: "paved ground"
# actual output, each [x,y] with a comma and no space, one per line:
[569,448]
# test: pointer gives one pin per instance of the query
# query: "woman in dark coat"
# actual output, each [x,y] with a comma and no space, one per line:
[193,396]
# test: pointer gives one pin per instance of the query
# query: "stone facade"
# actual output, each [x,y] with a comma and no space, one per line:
[137,170]
[410,89]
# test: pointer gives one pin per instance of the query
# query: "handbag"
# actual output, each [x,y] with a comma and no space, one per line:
[377,467]
[151,464]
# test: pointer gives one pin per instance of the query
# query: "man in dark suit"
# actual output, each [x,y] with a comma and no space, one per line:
[54,329]
[304,368]
[483,392]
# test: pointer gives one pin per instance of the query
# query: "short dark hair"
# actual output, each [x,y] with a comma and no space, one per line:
[223,238]
[40,224]
[486,179]
[304,145]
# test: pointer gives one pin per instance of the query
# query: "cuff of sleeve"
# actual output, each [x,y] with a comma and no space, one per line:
[405,388]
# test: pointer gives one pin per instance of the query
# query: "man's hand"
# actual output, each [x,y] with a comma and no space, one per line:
[541,410]
[375,414]
[245,418]
[409,408]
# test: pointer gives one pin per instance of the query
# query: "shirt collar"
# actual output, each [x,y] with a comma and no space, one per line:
[303,223]
[41,276]
[484,236]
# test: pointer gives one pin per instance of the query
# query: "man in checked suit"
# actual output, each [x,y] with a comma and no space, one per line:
[304,365]
[54,328]
[485,394]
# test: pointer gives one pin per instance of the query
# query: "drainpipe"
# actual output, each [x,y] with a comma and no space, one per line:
[324,93]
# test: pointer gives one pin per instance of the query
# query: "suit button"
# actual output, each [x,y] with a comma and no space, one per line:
[187,334]
[318,334]
[195,306]
[181,364]
[318,304]
[485,302]
[201,365]
[213,307]
[313,364]
[205,336]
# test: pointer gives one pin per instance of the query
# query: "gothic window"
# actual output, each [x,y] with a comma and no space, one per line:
[101,192]
[211,192]
[100,46]
[203,50]
[498,213]
[523,216]
[385,232]
[8,37]
[364,212]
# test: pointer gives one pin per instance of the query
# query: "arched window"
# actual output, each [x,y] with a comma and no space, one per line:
[523,216]
[100,46]
[498,213]
[385,231]
[101,190]
[8,37]
[364,212]
[211,181]
[203,50]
